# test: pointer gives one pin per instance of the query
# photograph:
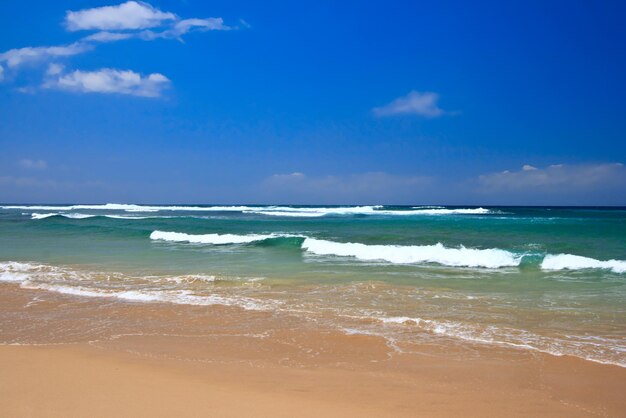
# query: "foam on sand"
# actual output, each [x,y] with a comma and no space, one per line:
[90,284]
[178,297]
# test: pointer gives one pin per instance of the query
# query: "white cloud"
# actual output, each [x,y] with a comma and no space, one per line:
[130,15]
[132,19]
[54,69]
[105,36]
[559,178]
[109,81]
[33,164]
[211,23]
[16,57]
[185,26]
[414,103]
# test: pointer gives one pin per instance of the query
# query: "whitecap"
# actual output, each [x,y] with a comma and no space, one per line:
[410,254]
[216,239]
[577,262]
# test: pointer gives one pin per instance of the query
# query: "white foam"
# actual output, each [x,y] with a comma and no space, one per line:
[12,271]
[134,217]
[515,338]
[73,215]
[443,211]
[577,262]
[262,210]
[178,297]
[133,208]
[65,215]
[108,206]
[42,215]
[364,210]
[72,282]
[410,254]
[290,214]
[215,239]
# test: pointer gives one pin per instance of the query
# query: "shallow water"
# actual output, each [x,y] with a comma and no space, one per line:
[547,279]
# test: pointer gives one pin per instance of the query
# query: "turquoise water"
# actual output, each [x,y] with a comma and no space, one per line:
[547,279]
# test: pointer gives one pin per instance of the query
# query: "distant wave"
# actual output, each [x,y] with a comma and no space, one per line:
[577,262]
[215,239]
[443,211]
[65,215]
[365,210]
[285,211]
[412,254]
[73,215]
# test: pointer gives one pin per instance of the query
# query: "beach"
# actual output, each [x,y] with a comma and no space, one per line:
[137,310]
[312,209]
[231,376]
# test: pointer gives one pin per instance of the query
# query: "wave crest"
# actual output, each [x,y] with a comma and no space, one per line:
[215,239]
[411,254]
[577,262]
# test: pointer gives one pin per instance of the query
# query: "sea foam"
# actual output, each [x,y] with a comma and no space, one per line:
[215,239]
[286,211]
[411,254]
[73,215]
[178,297]
[577,262]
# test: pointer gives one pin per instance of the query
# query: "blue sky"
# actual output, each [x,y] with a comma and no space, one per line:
[313,102]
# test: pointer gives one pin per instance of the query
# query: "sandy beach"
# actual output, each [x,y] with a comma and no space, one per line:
[83,381]
[236,375]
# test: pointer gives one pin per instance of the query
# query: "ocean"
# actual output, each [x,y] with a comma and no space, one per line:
[544,279]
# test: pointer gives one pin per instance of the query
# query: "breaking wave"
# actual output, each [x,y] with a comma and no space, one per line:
[491,258]
[215,239]
[577,262]
[412,254]
[72,215]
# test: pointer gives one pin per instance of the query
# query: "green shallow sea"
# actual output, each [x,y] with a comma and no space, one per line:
[548,279]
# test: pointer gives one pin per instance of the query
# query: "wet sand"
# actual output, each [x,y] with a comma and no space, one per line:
[148,370]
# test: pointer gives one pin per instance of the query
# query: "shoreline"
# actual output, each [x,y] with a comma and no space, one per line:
[90,357]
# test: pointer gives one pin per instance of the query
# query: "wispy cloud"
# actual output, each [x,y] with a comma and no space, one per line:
[129,15]
[111,81]
[33,164]
[106,36]
[414,103]
[369,187]
[558,178]
[18,56]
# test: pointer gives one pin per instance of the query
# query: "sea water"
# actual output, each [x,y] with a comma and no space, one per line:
[549,279]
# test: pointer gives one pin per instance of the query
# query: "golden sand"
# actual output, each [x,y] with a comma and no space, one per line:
[288,372]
